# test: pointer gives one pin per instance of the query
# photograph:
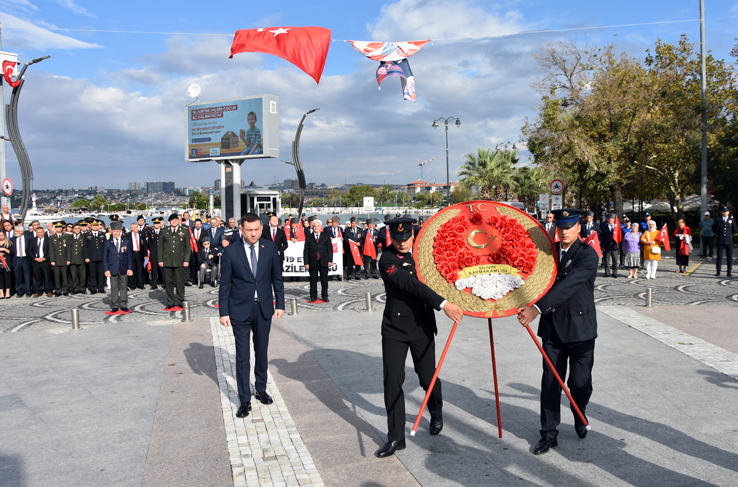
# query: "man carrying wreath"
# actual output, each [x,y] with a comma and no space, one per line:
[408,322]
[568,327]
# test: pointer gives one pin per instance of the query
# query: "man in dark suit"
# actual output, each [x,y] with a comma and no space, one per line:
[152,243]
[589,226]
[118,265]
[318,258]
[549,225]
[77,266]
[408,322]
[609,245]
[250,270]
[22,262]
[93,248]
[725,228]
[334,230]
[40,255]
[370,238]
[568,328]
[275,234]
[137,243]
[215,234]
[353,234]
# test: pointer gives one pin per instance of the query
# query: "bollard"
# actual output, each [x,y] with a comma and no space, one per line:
[293,306]
[75,319]
[649,297]
[186,311]
[368,298]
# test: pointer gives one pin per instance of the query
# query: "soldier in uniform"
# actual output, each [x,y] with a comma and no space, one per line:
[725,228]
[408,322]
[77,267]
[568,328]
[174,254]
[152,243]
[93,249]
[59,259]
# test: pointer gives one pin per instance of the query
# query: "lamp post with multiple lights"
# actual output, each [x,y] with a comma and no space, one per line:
[448,182]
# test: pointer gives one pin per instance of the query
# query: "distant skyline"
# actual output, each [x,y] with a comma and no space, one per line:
[108,107]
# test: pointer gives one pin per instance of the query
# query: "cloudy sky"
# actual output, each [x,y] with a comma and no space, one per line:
[107,107]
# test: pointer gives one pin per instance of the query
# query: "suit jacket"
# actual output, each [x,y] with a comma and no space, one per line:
[408,312]
[33,248]
[595,229]
[202,257]
[216,236]
[93,247]
[141,243]
[118,262]
[356,235]
[174,248]
[152,242]
[568,309]
[724,230]
[76,249]
[280,239]
[239,286]
[323,246]
[329,231]
[26,247]
[607,241]
[552,230]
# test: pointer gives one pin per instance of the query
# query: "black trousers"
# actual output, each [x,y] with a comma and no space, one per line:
[580,359]
[137,279]
[174,277]
[370,267]
[610,256]
[242,334]
[97,276]
[707,246]
[61,278]
[314,272]
[42,277]
[157,273]
[78,273]
[728,251]
[22,273]
[394,353]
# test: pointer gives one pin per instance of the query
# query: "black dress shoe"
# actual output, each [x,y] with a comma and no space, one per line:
[717,274]
[114,310]
[326,300]
[200,286]
[263,397]
[188,284]
[93,291]
[436,424]
[729,274]
[168,308]
[543,445]
[124,309]
[153,288]
[243,410]
[390,448]
[581,430]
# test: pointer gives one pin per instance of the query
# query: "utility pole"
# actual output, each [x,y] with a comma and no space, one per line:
[703,83]
[4,200]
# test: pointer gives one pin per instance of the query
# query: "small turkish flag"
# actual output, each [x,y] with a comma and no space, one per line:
[356,252]
[617,233]
[8,70]
[556,237]
[594,242]
[663,237]
[305,47]
[369,249]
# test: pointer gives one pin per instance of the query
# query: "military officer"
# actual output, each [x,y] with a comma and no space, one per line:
[174,254]
[568,327]
[725,228]
[152,242]
[93,248]
[77,267]
[408,322]
[59,259]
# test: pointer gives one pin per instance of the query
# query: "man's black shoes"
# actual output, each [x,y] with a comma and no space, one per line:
[243,410]
[390,448]
[581,431]
[544,445]
[263,397]
[436,424]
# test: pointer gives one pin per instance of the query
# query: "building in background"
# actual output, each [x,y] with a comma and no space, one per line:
[134,186]
[291,184]
[160,187]
[216,185]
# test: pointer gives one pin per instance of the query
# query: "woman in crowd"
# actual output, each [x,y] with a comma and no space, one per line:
[684,247]
[651,250]
[625,227]
[6,265]
[631,249]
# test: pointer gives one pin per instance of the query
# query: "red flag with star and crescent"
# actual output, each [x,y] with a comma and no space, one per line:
[305,47]
[663,237]
[8,70]
[594,242]
[356,253]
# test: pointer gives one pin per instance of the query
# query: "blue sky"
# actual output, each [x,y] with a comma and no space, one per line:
[107,107]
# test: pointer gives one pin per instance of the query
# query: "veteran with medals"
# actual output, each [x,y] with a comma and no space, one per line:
[568,328]
[408,322]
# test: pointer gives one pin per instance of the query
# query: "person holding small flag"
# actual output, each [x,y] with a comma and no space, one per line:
[610,237]
[370,250]
[651,250]
[353,240]
[632,251]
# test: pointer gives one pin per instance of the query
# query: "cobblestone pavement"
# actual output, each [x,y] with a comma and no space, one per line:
[700,287]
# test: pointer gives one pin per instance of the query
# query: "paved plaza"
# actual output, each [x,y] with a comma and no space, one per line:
[147,399]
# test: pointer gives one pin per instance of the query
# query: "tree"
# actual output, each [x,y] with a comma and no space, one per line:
[98,202]
[384,194]
[291,199]
[82,203]
[421,200]
[198,200]
[489,171]
[530,182]
[460,194]
[357,193]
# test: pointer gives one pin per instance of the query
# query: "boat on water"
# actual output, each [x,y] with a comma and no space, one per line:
[44,217]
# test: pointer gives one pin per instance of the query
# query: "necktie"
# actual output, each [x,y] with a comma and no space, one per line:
[39,247]
[253,260]
[134,238]
[274,234]
[117,245]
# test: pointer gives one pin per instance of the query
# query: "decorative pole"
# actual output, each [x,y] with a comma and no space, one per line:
[448,181]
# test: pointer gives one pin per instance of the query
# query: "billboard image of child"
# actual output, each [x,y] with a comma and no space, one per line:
[251,137]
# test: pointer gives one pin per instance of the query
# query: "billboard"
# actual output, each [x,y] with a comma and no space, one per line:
[238,128]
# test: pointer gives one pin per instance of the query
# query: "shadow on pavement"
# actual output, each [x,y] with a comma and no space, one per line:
[200,359]
[11,471]
[719,379]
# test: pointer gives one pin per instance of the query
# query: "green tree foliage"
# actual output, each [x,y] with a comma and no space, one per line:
[491,172]
[198,200]
[82,203]
[291,199]
[530,182]
[355,195]
[98,202]
[460,194]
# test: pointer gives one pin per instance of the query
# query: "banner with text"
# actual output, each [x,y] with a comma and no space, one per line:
[294,265]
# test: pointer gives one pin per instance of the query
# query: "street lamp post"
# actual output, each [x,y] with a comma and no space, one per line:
[448,182]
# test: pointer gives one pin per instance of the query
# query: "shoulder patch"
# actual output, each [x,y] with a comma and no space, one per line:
[391,270]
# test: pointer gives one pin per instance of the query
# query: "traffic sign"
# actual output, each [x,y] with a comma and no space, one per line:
[557,186]
[7,187]
[557,202]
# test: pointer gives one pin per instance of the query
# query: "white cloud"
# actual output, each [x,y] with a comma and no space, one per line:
[69,4]
[23,6]
[21,34]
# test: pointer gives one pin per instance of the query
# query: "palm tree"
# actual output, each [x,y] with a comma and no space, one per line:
[488,170]
[529,183]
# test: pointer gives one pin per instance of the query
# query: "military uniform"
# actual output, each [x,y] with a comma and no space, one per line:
[408,322]
[725,228]
[77,267]
[173,251]
[568,328]
[59,257]
[93,248]
[152,243]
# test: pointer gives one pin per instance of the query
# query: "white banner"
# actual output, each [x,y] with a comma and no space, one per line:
[294,265]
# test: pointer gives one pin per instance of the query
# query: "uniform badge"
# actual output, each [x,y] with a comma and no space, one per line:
[568,263]
[404,264]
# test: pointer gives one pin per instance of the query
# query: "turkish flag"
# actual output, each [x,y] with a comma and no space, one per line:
[556,237]
[594,242]
[663,237]
[193,242]
[617,233]
[300,232]
[8,69]
[305,47]
[356,252]
[369,249]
